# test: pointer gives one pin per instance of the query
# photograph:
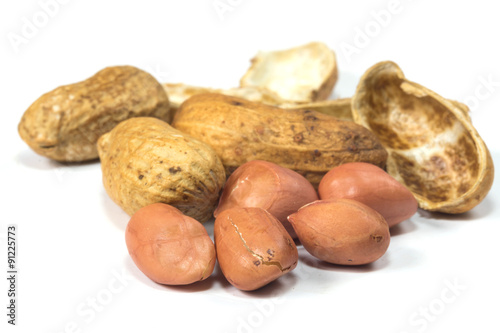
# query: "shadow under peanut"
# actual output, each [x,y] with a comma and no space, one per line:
[199,286]
[31,160]
[436,219]
[402,228]
[483,209]
[276,288]
[314,263]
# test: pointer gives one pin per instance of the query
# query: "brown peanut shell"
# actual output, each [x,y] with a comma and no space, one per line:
[434,150]
[145,160]
[308,142]
[65,123]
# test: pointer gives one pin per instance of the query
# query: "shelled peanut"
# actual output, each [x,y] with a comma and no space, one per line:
[252,245]
[168,246]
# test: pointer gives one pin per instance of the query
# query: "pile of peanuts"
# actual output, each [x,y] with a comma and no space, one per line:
[264,211]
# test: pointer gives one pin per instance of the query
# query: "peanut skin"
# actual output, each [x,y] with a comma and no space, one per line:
[253,247]
[372,186]
[168,246]
[274,188]
[341,231]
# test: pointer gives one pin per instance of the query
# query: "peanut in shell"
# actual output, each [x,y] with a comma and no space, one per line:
[144,161]
[65,123]
[308,142]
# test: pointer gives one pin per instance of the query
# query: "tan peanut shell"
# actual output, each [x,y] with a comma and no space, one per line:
[341,107]
[301,74]
[66,123]
[144,161]
[338,108]
[179,92]
[434,150]
[308,142]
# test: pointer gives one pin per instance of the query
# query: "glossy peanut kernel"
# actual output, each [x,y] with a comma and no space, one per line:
[253,247]
[371,185]
[341,231]
[278,190]
[168,246]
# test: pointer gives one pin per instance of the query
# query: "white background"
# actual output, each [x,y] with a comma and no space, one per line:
[75,274]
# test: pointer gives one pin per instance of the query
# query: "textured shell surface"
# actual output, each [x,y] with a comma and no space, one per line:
[434,149]
[306,141]
[144,161]
[65,123]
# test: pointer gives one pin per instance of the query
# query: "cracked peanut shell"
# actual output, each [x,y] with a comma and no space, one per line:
[308,142]
[179,92]
[144,161]
[65,123]
[339,108]
[434,149]
[301,74]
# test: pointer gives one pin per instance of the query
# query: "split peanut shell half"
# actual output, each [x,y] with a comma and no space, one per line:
[179,92]
[338,108]
[341,108]
[434,149]
[302,74]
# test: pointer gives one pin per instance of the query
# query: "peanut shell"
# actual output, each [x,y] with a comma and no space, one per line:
[308,142]
[301,74]
[66,123]
[434,149]
[179,92]
[144,161]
